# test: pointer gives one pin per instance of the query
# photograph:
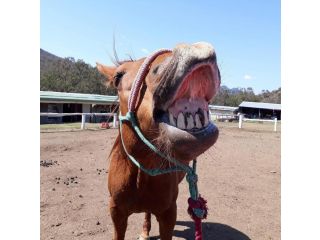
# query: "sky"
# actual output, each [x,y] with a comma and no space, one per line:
[244,33]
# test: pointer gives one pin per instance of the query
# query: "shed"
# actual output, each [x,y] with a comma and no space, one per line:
[260,110]
[223,112]
[63,102]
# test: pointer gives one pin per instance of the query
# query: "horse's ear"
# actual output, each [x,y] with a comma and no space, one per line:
[106,71]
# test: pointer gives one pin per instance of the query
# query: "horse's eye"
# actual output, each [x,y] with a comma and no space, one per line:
[155,70]
[117,78]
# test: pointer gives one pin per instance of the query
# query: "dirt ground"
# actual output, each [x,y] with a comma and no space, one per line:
[239,176]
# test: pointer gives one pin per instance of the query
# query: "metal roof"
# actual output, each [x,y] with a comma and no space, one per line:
[64,97]
[225,108]
[261,105]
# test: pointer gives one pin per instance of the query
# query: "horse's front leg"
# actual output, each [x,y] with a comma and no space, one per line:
[167,221]
[120,221]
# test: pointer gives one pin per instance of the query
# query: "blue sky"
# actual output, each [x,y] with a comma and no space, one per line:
[245,33]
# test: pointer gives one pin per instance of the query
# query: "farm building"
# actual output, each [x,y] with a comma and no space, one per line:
[260,110]
[62,102]
[223,112]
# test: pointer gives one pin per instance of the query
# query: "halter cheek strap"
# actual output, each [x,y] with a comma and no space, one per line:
[197,205]
[141,75]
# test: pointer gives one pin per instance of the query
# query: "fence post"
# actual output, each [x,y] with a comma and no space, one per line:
[275,124]
[83,121]
[240,120]
[115,120]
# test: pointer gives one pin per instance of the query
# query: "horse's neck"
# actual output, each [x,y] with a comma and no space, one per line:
[145,157]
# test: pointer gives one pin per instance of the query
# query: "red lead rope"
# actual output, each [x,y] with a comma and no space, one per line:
[201,204]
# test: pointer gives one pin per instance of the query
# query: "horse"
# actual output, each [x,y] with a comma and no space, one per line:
[171,111]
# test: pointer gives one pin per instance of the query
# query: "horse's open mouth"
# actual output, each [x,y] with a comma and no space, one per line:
[189,81]
[188,109]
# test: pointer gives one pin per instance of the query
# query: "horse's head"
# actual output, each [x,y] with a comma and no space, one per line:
[172,107]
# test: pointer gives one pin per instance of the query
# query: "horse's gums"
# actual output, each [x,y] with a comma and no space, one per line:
[197,84]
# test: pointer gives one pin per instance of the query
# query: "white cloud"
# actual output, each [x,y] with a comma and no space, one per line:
[145,50]
[247,77]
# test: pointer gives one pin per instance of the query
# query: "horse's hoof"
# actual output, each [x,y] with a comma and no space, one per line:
[143,238]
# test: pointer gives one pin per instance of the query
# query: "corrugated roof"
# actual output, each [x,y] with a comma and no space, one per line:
[64,97]
[261,105]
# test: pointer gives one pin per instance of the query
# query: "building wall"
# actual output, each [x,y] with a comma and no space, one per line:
[75,108]
[86,108]
[43,109]
[97,108]
[222,112]
[50,107]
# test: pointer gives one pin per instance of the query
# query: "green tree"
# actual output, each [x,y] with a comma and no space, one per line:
[68,75]
[233,97]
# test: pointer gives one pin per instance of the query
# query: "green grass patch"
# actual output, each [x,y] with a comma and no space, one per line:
[69,126]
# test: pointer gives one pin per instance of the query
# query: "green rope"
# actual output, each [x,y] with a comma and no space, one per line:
[191,176]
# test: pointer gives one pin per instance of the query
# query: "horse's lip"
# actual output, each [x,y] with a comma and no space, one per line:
[202,131]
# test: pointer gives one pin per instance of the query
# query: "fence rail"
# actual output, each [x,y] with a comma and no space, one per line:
[83,117]
[243,119]
[223,116]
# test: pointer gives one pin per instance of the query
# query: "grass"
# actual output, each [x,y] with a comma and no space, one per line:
[69,126]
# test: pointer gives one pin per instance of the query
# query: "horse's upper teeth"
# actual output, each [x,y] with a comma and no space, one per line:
[187,120]
[172,120]
[206,120]
[190,122]
[180,122]
[198,122]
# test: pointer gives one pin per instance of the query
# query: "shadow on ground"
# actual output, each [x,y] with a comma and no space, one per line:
[216,231]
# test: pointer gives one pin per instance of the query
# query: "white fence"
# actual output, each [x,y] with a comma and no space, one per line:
[222,116]
[83,117]
[242,119]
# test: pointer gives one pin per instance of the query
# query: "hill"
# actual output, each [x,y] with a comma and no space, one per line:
[47,60]
[234,96]
[70,75]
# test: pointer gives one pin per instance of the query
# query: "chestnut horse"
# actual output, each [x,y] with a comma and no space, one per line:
[172,113]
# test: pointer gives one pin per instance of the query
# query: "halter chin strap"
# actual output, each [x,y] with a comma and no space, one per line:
[197,205]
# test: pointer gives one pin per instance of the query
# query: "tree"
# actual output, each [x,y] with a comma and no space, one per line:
[68,75]
[233,97]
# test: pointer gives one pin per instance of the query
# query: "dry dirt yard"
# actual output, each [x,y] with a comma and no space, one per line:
[239,176]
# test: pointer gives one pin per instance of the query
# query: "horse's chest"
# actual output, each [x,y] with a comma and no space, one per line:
[149,194]
[157,192]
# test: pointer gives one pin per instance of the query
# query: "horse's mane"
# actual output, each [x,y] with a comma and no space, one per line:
[115,59]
